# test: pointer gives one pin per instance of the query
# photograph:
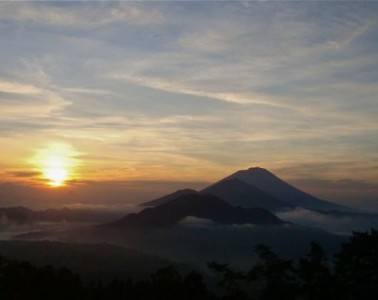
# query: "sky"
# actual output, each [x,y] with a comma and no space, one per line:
[135,99]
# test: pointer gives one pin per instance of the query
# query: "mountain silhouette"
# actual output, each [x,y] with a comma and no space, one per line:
[169,197]
[199,206]
[238,193]
[257,187]
[281,190]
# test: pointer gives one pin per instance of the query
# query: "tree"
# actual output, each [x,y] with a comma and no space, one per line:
[230,281]
[276,275]
[314,275]
[356,266]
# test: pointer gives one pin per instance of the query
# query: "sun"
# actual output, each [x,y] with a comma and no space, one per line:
[56,171]
[56,163]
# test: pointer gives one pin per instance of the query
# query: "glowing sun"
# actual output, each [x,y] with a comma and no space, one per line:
[55,171]
[56,163]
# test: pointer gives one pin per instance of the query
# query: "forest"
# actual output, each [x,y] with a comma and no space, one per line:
[352,273]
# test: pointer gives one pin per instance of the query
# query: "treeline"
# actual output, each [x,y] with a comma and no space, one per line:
[350,274]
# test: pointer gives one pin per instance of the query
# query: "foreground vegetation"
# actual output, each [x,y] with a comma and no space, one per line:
[350,274]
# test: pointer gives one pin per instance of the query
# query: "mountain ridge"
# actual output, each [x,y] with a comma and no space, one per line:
[169,197]
[200,206]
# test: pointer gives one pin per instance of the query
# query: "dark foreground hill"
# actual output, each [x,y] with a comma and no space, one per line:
[93,261]
[349,275]
[197,205]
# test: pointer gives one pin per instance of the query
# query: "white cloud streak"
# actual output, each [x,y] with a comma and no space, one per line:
[79,15]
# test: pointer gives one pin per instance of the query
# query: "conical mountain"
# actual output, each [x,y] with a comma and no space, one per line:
[238,193]
[281,190]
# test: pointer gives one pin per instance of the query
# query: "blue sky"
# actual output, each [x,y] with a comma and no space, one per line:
[150,90]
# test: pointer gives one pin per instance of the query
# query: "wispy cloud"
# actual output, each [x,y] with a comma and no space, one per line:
[80,14]
[24,174]
[169,86]
[17,88]
[18,99]
[337,224]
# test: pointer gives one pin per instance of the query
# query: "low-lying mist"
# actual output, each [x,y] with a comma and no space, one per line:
[339,224]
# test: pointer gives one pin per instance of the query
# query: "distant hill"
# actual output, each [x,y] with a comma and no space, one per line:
[238,193]
[281,190]
[169,197]
[18,215]
[22,215]
[197,205]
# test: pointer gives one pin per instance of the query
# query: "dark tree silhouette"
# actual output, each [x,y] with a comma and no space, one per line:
[356,266]
[314,275]
[230,281]
[276,275]
[352,274]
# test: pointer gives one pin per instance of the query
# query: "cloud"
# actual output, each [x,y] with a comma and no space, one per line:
[203,223]
[169,86]
[18,88]
[211,40]
[80,14]
[24,99]
[196,222]
[346,184]
[24,174]
[339,224]
[290,63]
[330,170]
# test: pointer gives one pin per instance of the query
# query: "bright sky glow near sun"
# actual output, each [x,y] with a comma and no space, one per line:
[56,163]
[190,92]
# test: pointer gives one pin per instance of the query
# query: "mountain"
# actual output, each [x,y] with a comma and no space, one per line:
[257,187]
[238,193]
[281,190]
[199,206]
[169,197]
